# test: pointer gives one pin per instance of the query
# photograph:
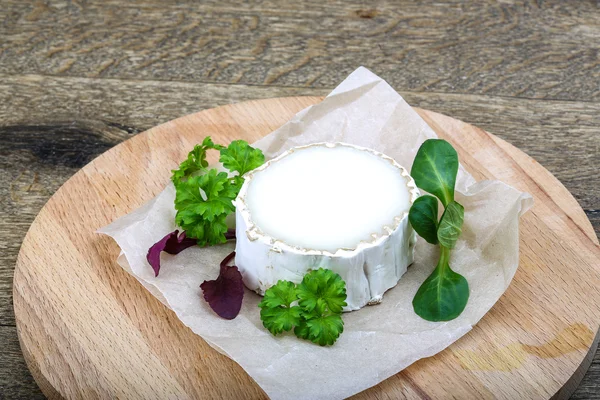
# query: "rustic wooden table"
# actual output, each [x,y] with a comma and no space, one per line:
[77,77]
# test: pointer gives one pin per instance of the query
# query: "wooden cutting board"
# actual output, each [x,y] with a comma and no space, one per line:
[89,330]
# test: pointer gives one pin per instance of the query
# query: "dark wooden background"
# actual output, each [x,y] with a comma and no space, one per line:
[78,77]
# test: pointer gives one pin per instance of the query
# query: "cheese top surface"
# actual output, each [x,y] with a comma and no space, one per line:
[327,198]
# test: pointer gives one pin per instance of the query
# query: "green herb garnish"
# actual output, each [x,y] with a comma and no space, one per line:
[434,169]
[423,217]
[444,294]
[240,157]
[317,316]
[277,313]
[203,217]
[204,197]
[195,162]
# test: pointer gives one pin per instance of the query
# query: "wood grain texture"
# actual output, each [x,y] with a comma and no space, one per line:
[531,49]
[42,143]
[536,341]
[17,382]
[80,76]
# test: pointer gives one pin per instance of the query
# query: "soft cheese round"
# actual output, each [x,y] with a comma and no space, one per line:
[326,205]
[327,197]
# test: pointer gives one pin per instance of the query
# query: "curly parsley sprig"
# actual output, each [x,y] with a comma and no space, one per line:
[313,308]
[204,197]
[195,161]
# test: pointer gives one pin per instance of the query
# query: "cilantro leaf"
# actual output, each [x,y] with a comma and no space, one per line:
[277,312]
[241,157]
[196,161]
[322,289]
[202,203]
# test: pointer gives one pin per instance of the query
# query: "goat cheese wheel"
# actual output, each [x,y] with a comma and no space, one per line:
[326,205]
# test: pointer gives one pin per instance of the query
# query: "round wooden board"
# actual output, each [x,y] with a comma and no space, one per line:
[90,330]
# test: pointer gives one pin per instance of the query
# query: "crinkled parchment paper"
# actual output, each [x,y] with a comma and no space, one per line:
[378,341]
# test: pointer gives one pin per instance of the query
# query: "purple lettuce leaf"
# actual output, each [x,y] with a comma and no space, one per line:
[172,243]
[225,294]
[230,234]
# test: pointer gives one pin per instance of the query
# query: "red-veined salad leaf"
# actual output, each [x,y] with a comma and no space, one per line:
[225,294]
[172,243]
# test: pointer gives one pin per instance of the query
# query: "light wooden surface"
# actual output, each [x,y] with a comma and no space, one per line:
[89,329]
[78,77]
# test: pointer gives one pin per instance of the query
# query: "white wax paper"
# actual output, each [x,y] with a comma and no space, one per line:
[378,341]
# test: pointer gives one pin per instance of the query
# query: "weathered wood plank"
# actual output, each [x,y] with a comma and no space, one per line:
[535,49]
[131,105]
[556,133]
[594,217]
[589,388]
[15,380]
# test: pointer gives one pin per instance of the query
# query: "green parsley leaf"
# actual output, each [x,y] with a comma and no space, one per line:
[321,297]
[281,294]
[196,161]
[281,319]
[322,289]
[302,330]
[277,312]
[323,330]
[202,203]
[241,157]
[204,197]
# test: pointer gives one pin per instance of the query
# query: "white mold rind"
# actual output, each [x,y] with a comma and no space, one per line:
[369,270]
